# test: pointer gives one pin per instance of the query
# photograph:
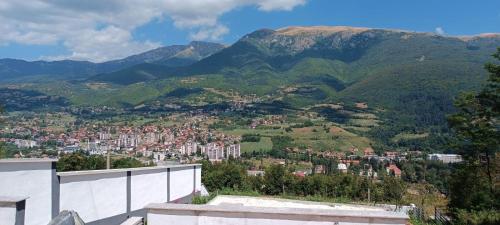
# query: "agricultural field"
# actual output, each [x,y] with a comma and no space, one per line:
[265,144]
[321,136]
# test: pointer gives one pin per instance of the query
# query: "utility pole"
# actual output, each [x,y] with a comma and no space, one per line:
[369,193]
[108,160]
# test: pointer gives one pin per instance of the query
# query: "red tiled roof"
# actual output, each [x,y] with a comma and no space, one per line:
[395,169]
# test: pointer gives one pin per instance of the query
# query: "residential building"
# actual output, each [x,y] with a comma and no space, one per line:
[213,151]
[189,148]
[233,150]
[393,170]
[342,167]
[20,143]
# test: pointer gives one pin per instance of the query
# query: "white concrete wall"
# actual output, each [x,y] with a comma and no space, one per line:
[7,215]
[31,179]
[94,196]
[147,188]
[181,182]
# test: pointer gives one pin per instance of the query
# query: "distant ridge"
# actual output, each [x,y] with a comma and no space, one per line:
[172,56]
[347,55]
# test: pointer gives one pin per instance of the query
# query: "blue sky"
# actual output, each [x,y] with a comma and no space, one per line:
[105,37]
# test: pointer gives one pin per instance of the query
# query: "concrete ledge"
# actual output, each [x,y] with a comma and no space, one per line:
[242,210]
[169,208]
[27,160]
[92,172]
[6,201]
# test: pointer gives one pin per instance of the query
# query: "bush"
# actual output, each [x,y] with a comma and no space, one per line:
[200,200]
[250,138]
[484,217]
[308,123]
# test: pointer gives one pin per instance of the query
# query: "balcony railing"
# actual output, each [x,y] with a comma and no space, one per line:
[98,196]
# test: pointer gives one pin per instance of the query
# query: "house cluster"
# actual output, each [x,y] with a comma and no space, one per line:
[388,159]
[156,142]
[269,120]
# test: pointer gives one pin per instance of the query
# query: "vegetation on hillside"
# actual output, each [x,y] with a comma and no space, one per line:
[279,181]
[474,187]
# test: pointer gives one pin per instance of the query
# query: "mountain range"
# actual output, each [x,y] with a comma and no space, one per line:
[174,55]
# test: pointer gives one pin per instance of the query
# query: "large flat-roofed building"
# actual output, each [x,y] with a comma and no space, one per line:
[238,210]
[446,158]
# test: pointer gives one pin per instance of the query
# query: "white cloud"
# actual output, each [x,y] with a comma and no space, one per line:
[210,33]
[113,41]
[100,30]
[440,31]
[268,5]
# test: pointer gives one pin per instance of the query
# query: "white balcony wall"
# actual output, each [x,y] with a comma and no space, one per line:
[183,185]
[94,196]
[99,197]
[31,179]
[148,187]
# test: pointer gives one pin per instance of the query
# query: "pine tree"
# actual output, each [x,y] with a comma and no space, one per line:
[474,185]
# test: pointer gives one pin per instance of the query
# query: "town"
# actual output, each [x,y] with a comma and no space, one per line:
[163,142]
[158,143]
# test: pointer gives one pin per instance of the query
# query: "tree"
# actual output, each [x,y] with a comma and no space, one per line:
[77,161]
[72,162]
[126,163]
[476,128]
[274,179]
[394,189]
[222,175]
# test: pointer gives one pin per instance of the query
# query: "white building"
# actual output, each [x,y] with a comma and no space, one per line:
[129,140]
[233,150]
[71,148]
[342,167]
[445,158]
[20,143]
[104,136]
[159,156]
[151,138]
[213,151]
[189,148]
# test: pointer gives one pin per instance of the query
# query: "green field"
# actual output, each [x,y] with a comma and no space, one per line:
[315,138]
[265,144]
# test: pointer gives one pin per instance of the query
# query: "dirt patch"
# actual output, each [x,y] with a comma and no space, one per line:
[336,130]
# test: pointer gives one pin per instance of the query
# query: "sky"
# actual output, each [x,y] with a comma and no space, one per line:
[101,30]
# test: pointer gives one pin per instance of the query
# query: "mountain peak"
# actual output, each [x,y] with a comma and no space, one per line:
[483,35]
[319,30]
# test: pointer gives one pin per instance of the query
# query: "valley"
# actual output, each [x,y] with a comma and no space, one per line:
[406,79]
